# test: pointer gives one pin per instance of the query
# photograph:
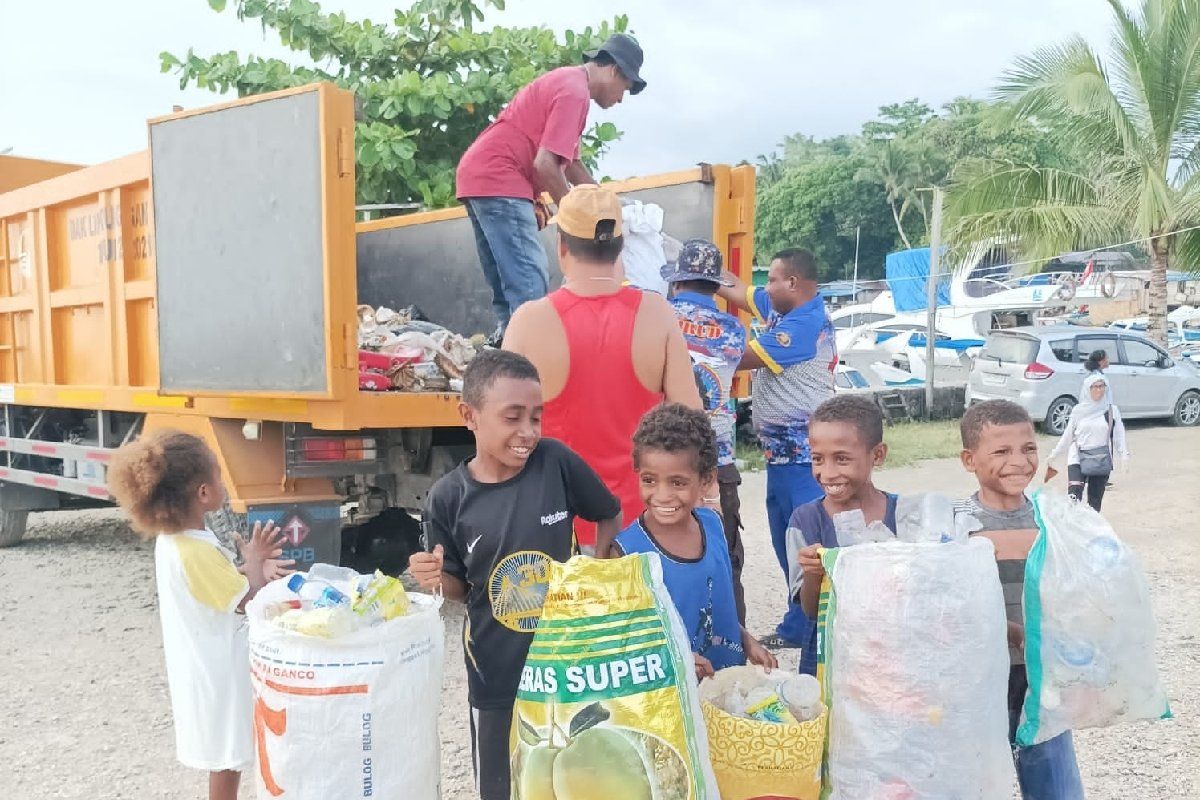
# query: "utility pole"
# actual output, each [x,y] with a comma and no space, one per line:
[931,283]
[854,284]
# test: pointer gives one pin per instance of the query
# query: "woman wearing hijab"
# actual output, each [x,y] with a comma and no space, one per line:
[1096,363]
[1094,436]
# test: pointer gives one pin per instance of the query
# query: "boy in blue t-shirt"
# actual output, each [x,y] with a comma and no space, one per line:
[675,456]
[846,437]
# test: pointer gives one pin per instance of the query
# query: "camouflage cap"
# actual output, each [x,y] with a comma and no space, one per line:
[699,260]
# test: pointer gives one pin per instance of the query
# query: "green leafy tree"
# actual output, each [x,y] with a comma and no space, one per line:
[895,166]
[819,205]
[1136,122]
[875,179]
[910,148]
[427,83]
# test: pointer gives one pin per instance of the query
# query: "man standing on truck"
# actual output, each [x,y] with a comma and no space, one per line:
[533,147]
[794,361]
[606,353]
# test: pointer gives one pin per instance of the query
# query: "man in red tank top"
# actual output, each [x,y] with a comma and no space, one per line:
[606,353]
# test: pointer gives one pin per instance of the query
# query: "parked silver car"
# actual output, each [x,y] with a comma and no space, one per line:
[1041,368]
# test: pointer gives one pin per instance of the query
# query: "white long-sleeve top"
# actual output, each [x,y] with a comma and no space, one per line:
[1092,432]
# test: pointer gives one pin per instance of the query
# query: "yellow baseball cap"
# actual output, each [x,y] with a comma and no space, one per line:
[591,212]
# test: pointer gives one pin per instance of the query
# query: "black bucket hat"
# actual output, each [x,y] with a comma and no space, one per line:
[627,53]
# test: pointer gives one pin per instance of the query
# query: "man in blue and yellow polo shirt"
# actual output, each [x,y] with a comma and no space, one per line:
[794,359]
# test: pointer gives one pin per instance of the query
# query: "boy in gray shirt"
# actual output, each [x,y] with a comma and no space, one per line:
[1000,449]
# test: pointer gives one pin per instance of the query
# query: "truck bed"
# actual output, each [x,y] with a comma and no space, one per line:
[84,278]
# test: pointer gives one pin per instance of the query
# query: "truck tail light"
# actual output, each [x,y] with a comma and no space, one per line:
[338,449]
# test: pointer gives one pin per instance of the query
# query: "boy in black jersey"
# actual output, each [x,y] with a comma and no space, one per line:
[492,526]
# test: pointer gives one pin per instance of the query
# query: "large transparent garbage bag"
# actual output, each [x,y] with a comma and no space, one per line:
[913,658]
[1089,628]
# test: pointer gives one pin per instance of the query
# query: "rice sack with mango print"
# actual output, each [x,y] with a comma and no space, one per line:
[608,704]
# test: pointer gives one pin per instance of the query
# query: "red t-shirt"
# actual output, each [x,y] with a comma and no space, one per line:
[551,112]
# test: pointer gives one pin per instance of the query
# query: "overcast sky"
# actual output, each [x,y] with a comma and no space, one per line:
[728,79]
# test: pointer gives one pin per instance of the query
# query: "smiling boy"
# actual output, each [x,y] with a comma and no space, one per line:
[846,438]
[493,525]
[1000,450]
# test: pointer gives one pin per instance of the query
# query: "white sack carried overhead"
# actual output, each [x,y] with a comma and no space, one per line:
[642,255]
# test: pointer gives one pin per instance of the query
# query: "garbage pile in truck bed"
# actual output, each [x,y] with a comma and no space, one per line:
[400,351]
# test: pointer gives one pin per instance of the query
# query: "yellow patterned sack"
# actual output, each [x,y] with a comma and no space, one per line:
[607,707]
[753,759]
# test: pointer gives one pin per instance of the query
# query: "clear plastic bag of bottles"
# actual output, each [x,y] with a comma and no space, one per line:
[1089,627]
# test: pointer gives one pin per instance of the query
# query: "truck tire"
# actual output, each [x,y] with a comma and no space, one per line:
[12,527]
[1187,410]
[1057,415]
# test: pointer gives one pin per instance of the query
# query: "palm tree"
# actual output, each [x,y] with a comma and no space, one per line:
[888,165]
[1136,124]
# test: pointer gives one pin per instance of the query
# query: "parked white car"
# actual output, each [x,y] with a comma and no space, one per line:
[1041,368]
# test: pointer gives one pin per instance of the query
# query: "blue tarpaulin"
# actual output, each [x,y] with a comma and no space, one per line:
[907,272]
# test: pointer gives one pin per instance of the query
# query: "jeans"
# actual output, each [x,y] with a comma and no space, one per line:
[1046,771]
[510,252]
[788,486]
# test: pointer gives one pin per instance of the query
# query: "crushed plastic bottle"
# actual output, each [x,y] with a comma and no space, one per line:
[771,697]
[330,622]
[273,610]
[852,528]
[332,601]
[379,598]
[802,694]
[928,517]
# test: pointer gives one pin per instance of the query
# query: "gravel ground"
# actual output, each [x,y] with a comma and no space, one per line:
[85,704]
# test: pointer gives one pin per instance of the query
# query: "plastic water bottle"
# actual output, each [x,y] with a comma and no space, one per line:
[317,593]
[1104,552]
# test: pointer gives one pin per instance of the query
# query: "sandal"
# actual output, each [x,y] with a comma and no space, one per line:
[776,642]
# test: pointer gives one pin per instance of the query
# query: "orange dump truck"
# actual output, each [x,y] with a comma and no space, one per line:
[211,285]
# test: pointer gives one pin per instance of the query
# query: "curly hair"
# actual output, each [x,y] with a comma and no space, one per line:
[855,410]
[155,479]
[989,412]
[675,428]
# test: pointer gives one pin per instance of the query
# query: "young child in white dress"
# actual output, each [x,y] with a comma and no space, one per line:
[167,482]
